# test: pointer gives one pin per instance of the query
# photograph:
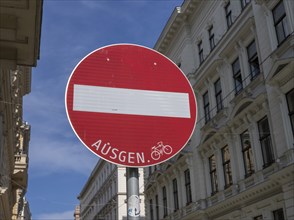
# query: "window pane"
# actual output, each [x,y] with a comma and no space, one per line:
[205,98]
[279,11]
[290,102]
[236,66]
[164,201]
[218,95]
[157,207]
[278,214]
[175,192]
[228,14]
[151,209]
[206,107]
[251,49]
[188,186]
[265,142]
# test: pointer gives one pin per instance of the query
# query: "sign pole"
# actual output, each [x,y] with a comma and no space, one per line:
[133,199]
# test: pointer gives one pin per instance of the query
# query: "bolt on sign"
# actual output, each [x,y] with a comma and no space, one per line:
[130,105]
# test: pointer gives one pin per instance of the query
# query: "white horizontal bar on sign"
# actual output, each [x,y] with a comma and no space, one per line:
[130,101]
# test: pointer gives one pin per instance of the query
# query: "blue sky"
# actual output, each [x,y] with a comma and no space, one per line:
[59,164]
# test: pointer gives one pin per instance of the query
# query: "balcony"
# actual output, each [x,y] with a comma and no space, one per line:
[20,173]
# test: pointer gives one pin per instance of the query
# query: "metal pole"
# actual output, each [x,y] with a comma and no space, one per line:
[133,200]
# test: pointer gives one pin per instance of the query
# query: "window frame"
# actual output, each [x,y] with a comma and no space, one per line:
[218,95]
[290,111]
[253,61]
[175,194]
[200,52]
[188,186]
[237,76]
[267,151]
[228,12]
[164,201]
[206,107]
[244,3]
[278,214]
[211,38]
[281,20]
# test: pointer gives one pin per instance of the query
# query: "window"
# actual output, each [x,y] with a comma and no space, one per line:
[280,22]
[157,207]
[258,217]
[218,95]
[265,142]
[278,214]
[244,3]
[211,38]
[227,166]
[237,76]
[290,102]
[200,52]
[164,199]
[151,209]
[213,176]
[228,11]
[176,196]
[253,60]
[188,186]
[247,153]
[206,107]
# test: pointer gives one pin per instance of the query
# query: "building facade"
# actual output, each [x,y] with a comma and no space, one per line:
[20,28]
[239,163]
[104,195]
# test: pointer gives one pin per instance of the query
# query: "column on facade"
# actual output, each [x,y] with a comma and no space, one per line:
[212,101]
[181,186]
[219,167]
[270,26]
[206,179]
[289,5]
[169,193]
[228,85]
[232,143]
[200,176]
[224,79]
[158,192]
[288,192]
[189,161]
[287,129]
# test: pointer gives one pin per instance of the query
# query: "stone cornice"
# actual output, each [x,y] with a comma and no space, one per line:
[174,23]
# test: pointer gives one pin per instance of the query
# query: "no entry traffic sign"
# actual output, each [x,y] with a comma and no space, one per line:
[130,105]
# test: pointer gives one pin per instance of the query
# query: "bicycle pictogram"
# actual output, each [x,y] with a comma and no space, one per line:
[159,150]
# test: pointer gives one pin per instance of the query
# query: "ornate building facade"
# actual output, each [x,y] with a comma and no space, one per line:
[239,163]
[104,195]
[20,28]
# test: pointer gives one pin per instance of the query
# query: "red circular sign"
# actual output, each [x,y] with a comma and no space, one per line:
[130,105]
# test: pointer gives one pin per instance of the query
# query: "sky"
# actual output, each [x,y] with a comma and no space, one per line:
[59,165]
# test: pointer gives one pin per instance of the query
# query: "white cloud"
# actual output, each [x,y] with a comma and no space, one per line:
[67,215]
[60,156]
